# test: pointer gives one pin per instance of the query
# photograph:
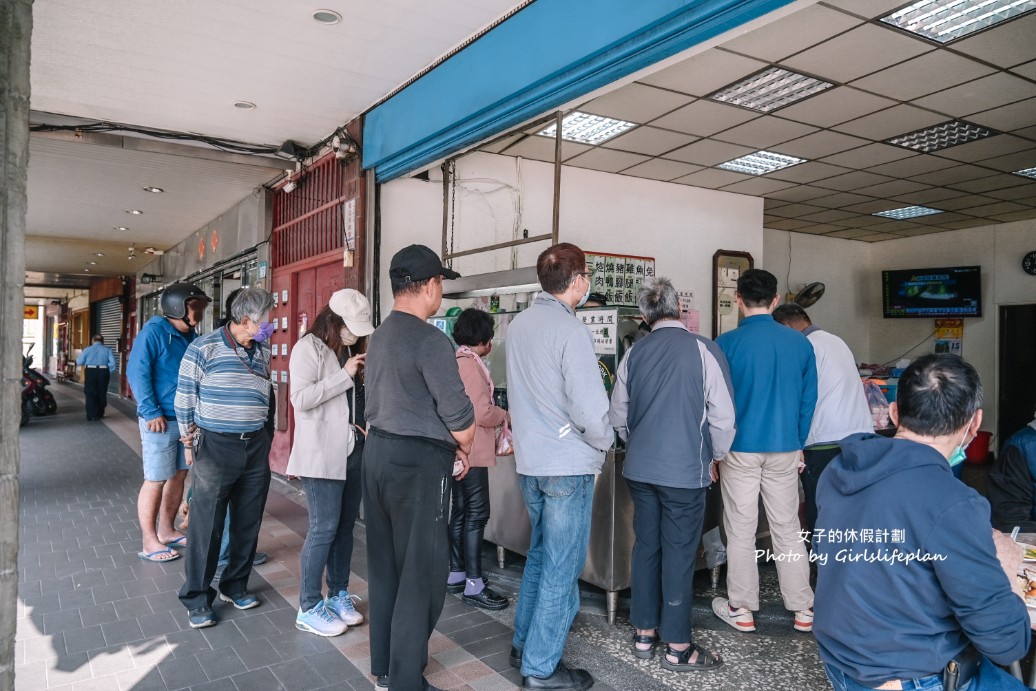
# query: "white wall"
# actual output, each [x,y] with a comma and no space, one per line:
[680,226]
[843,266]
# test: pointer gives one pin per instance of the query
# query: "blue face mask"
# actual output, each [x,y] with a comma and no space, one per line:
[586,295]
[958,455]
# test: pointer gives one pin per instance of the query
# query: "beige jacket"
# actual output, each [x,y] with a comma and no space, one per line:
[324,436]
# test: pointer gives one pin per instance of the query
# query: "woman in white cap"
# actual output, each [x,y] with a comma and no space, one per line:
[326,392]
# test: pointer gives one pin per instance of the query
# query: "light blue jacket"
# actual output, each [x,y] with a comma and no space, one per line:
[557,400]
[95,355]
[154,367]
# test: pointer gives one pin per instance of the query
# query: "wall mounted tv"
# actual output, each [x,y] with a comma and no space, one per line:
[927,293]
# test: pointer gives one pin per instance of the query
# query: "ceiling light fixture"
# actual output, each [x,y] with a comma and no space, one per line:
[908,212]
[119,228]
[761,163]
[86,270]
[1027,173]
[155,190]
[244,105]
[770,90]
[135,212]
[327,16]
[98,254]
[947,20]
[588,129]
[93,263]
[942,136]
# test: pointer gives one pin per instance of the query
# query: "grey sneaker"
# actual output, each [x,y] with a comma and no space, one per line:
[321,621]
[342,605]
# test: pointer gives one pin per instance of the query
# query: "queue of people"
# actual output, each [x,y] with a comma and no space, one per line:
[394,415]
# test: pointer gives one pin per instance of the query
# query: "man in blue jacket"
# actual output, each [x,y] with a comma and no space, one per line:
[909,576]
[774,373]
[98,362]
[153,369]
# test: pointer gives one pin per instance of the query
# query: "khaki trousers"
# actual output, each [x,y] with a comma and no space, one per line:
[774,476]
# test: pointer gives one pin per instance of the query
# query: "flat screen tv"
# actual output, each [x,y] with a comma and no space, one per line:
[926,293]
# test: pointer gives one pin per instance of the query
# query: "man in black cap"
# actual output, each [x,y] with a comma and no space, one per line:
[420,421]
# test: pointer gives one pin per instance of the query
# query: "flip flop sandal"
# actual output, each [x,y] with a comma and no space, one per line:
[152,556]
[644,653]
[705,659]
[180,542]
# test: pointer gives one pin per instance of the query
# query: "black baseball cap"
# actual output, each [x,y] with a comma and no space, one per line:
[417,263]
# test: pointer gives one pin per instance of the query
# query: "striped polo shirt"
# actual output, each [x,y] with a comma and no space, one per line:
[222,386]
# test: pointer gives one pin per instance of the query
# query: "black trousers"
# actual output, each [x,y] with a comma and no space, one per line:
[406,481]
[816,462]
[226,472]
[95,390]
[468,519]
[667,523]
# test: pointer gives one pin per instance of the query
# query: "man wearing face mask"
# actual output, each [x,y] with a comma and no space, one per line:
[561,432]
[153,368]
[911,576]
[223,412]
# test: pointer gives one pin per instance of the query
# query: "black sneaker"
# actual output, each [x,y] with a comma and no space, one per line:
[201,618]
[487,599]
[516,658]
[382,682]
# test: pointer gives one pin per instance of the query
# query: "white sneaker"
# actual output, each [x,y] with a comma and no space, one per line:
[804,620]
[342,606]
[321,621]
[741,619]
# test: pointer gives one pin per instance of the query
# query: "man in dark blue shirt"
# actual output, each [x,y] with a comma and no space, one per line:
[909,577]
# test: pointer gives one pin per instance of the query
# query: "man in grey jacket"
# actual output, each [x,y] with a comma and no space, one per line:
[559,409]
[674,405]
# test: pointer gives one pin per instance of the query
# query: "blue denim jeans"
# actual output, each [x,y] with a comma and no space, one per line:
[559,510]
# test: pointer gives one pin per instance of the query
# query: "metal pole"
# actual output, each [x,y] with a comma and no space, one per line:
[557,179]
[16,28]
[445,204]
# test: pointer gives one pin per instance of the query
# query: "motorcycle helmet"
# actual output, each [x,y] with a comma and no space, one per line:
[173,301]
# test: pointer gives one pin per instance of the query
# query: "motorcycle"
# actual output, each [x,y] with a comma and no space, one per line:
[35,396]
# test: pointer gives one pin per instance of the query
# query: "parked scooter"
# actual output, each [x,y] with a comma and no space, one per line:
[34,389]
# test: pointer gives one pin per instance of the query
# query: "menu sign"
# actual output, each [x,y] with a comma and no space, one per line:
[618,277]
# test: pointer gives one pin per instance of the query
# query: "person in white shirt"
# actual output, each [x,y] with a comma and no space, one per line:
[841,402]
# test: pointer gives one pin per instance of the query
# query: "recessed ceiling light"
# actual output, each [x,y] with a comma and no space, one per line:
[156,190]
[244,105]
[98,254]
[93,263]
[770,89]
[119,228]
[327,16]
[135,212]
[946,20]
[1028,172]
[588,129]
[86,270]
[761,163]
[942,136]
[132,256]
[908,212]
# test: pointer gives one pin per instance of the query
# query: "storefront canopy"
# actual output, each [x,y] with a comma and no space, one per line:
[549,53]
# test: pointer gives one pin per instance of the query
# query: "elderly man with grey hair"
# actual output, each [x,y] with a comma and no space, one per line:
[674,406]
[223,411]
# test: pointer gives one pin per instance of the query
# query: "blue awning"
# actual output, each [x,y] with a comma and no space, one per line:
[548,54]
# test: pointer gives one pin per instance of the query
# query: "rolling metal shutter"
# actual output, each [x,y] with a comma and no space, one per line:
[109,325]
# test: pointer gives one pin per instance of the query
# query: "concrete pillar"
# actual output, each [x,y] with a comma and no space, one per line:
[16,30]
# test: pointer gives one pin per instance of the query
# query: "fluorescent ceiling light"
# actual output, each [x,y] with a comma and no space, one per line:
[761,163]
[946,20]
[588,129]
[942,136]
[770,89]
[1028,172]
[908,212]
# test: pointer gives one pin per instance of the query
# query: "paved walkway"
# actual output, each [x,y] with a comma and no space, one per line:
[91,615]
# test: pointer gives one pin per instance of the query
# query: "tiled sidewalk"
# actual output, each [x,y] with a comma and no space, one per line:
[91,615]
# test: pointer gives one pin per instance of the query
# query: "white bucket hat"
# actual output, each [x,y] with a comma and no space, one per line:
[354,309]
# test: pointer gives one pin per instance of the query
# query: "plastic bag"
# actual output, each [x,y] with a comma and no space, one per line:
[878,404]
[715,550]
[504,441]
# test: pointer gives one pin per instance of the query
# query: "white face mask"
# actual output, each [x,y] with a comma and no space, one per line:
[586,295]
[348,337]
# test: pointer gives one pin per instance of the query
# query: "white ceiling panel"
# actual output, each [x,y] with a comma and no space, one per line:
[889,123]
[765,133]
[793,33]
[1006,45]
[704,118]
[835,106]
[704,73]
[661,169]
[863,50]
[870,155]
[923,75]
[1015,116]
[180,66]
[649,140]
[979,95]
[821,144]
[607,160]
[637,103]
